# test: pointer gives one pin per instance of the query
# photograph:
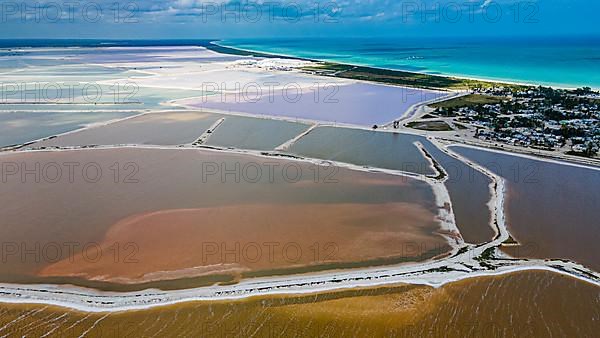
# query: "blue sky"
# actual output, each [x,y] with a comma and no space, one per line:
[185,19]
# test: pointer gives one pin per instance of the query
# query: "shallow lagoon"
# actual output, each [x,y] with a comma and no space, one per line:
[176,128]
[120,95]
[254,133]
[369,217]
[470,193]
[468,188]
[364,147]
[22,123]
[106,83]
[551,208]
[66,73]
[22,127]
[168,128]
[362,104]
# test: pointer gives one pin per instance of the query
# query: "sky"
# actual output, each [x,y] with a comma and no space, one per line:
[229,19]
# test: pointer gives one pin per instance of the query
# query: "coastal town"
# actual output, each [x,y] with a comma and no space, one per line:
[542,118]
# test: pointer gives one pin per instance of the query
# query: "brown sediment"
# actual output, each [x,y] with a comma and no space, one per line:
[520,304]
[233,239]
[43,220]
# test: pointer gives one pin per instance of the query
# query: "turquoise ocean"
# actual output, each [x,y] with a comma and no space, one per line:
[561,62]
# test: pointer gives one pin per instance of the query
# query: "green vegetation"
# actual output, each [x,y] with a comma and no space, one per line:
[467,101]
[441,172]
[588,152]
[235,51]
[586,274]
[486,255]
[430,125]
[441,269]
[461,251]
[396,77]
[510,241]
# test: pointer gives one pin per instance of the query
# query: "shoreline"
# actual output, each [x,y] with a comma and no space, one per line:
[95,301]
[316,61]
[456,76]
[92,301]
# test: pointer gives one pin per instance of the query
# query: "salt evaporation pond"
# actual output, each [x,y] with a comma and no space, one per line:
[176,200]
[551,208]
[364,104]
